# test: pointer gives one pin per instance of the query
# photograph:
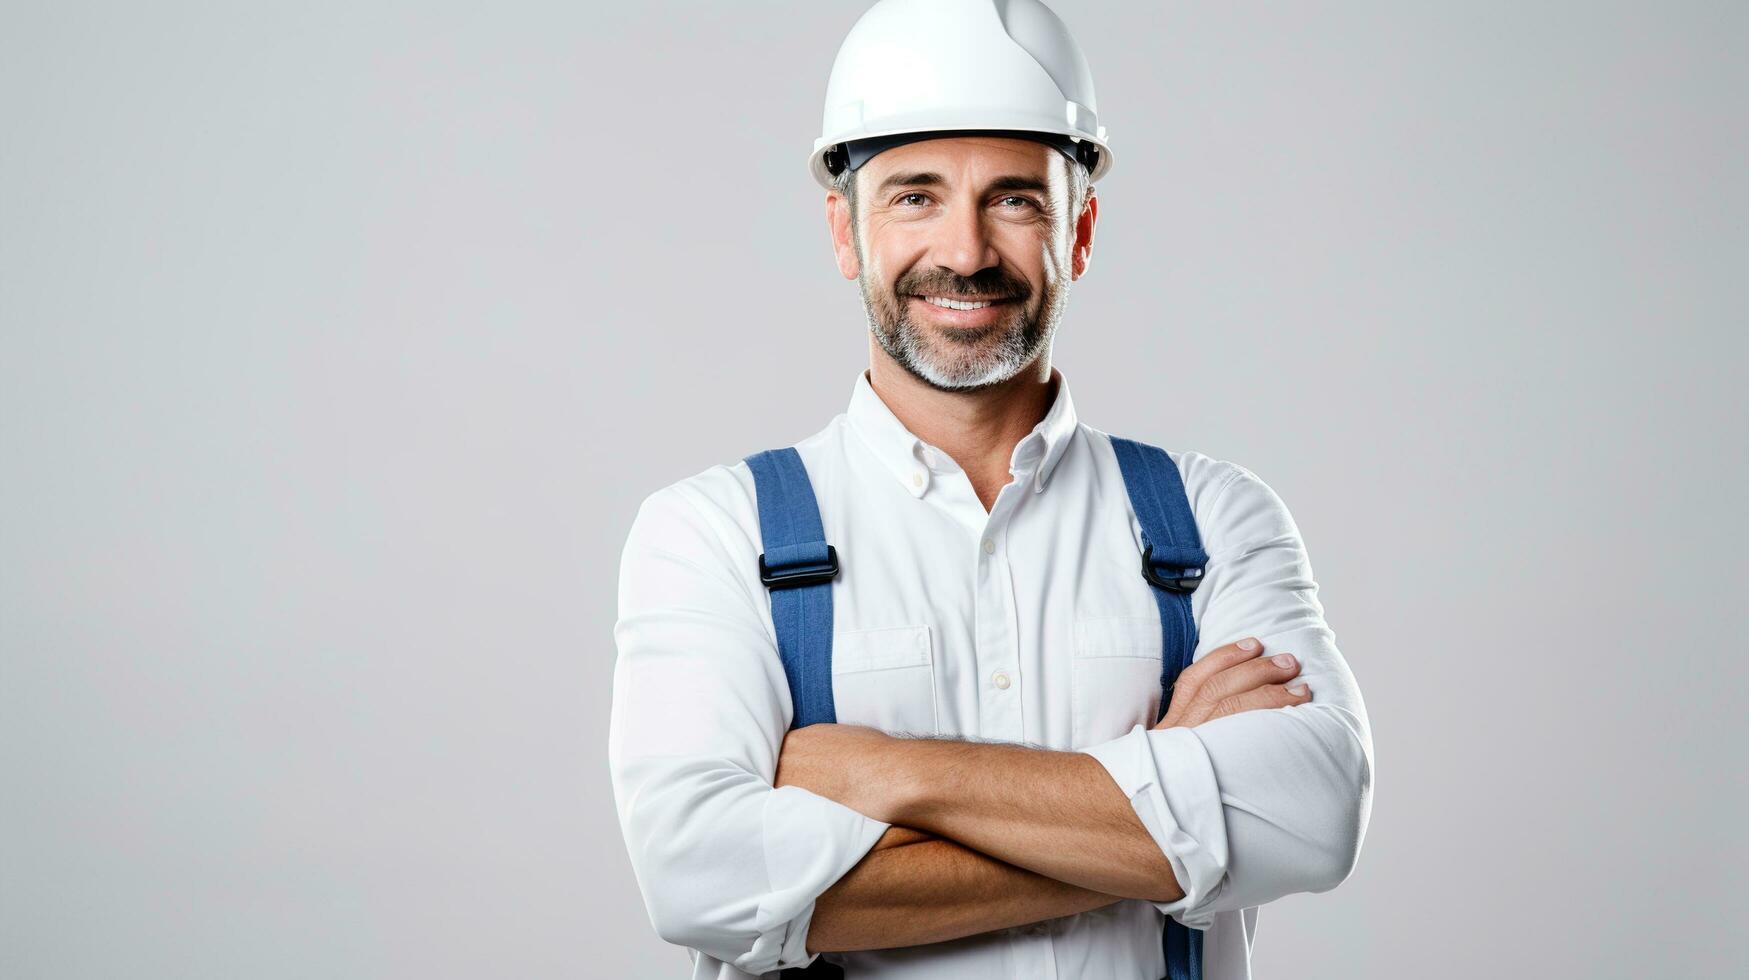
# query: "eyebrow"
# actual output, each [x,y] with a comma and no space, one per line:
[927,178]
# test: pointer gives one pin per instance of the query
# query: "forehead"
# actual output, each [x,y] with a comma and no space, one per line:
[971,160]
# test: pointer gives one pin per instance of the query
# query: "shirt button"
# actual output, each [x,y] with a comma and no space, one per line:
[1000,680]
[989,546]
[917,479]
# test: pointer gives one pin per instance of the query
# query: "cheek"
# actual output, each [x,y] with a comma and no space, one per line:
[1056,256]
[888,268]
[1032,252]
[1039,269]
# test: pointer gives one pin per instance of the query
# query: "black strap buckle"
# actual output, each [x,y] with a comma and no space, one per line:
[791,578]
[1185,581]
[836,159]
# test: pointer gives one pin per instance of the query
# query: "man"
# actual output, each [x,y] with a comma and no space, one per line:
[988,599]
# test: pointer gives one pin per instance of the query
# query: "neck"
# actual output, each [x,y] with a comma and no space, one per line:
[978,429]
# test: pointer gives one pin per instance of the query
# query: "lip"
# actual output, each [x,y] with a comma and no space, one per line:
[964,318]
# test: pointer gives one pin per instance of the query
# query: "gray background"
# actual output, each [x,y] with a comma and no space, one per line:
[341,342]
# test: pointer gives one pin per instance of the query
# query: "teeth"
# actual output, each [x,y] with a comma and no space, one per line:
[954,304]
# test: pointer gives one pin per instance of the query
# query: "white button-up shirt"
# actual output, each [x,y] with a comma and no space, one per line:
[1029,623]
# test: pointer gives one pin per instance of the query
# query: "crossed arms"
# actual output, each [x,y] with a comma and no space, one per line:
[990,835]
[984,836]
[857,839]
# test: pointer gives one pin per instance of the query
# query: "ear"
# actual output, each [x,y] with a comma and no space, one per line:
[838,223]
[1082,253]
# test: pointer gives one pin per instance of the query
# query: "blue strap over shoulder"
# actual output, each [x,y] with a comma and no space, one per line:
[1172,562]
[797,568]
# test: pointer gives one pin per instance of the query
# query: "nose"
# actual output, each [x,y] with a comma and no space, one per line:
[962,242]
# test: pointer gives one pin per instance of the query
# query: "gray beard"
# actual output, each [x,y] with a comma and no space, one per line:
[971,360]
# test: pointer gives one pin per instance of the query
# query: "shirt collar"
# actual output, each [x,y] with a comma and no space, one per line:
[916,464]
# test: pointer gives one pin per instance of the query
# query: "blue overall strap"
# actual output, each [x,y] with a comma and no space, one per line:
[797,568]
[1173,563]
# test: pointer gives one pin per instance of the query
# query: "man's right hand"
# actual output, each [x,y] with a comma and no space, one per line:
[1231,679]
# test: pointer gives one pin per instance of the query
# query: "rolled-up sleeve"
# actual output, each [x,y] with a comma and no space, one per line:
[1254,806]
[727,865]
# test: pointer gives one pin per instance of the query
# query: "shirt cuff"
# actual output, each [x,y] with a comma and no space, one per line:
[1170,781]
[810,842]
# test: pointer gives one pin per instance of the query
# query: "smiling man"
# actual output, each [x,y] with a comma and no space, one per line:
[979,327]
[961,686]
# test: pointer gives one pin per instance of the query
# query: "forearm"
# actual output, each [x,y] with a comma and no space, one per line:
[1058,814]
[914,888]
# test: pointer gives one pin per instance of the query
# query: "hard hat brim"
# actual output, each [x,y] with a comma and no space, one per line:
[823,176]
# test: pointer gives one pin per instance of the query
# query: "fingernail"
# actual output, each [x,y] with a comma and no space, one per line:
[1297,690]
[1249,644]
[1283,659]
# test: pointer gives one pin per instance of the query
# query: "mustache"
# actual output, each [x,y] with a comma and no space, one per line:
[996,285]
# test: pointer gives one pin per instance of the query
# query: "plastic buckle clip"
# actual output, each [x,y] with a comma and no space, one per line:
[1186,581]
[792,578]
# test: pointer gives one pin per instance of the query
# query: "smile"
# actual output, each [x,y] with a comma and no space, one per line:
[947,303]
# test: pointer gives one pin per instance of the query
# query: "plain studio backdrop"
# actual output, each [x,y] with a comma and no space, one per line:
[341,342]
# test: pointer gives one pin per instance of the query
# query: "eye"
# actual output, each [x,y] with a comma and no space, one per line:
[916,194]
[1026,201]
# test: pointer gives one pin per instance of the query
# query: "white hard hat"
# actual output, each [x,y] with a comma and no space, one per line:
[971,66]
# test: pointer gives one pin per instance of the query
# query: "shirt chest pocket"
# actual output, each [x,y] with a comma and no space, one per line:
[885,678]
[1116,676]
